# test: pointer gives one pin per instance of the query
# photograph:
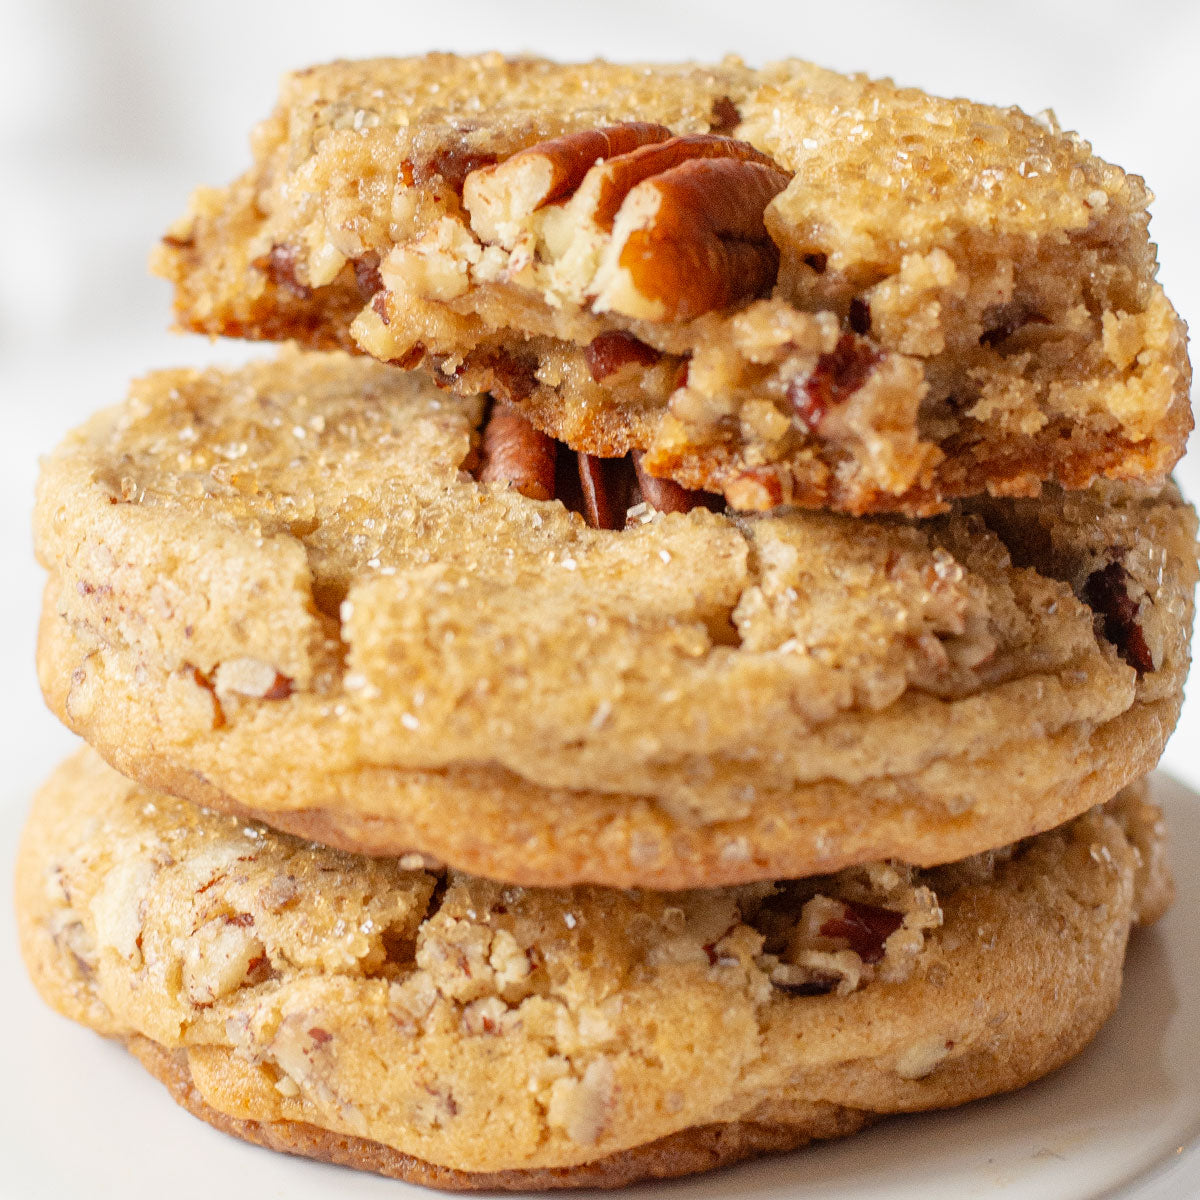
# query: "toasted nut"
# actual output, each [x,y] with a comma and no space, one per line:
[691,240]
[1106,593]
[666,495]
[754,490]
[608,352]
[598,506]
[725,117]
[608,184]
[498,198]
[581,1107]
[864,927]
[514,452]
[656,227]
[251,677]
[279,266]
[836,377]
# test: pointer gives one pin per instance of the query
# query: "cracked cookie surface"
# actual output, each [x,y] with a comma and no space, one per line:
[351,1009]
[280,591]
[831,291]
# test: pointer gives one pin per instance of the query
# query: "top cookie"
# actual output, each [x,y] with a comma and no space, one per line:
[785,285]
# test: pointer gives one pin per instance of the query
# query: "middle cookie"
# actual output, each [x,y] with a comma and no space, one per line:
[282,591]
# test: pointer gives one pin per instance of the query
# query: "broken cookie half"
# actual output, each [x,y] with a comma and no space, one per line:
[784,286]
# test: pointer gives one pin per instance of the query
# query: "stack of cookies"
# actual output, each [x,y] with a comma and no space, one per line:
[663,669]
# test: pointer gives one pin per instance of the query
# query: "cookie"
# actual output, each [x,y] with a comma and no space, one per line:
[464,1033]
[280,591]
[782,285]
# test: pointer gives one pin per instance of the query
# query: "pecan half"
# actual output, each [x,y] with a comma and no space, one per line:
[755,489]
[687,231]
[514,452]
[634,221]
[599,505]
[498,198]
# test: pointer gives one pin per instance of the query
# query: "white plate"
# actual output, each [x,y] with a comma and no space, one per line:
[79,1117]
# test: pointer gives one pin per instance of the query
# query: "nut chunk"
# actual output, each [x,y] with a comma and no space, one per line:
[516,453]
[660,228]
[500,197]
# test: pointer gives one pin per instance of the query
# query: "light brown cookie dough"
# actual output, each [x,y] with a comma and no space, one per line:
[278,591]
[459,1032]
[824,290]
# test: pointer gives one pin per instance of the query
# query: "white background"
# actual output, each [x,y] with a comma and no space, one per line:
[110,112]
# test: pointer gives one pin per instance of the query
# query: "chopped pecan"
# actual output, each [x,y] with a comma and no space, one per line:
[817,985]
[865,927]
[499,197]
[1106,593]
[412,358]
[756,489]
[836,377]
[279,266]
[366,274]
[253,678]
[608,352]
[453,161]
[508,378]
[666,495]
[514,452]
[725,117]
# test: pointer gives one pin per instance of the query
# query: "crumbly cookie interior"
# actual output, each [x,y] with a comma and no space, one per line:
[956,298]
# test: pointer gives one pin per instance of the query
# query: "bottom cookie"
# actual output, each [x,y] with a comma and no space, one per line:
[460,1033]
[688,1152]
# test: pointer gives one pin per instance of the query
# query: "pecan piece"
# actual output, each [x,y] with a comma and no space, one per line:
[725,117]
[366,274]
[755,489]
[836,377]
[599,506]
[865,927]
[604,191]
[608,352]
[514,452]
[279,266]
[1106,593]
[498,198]
[666,495]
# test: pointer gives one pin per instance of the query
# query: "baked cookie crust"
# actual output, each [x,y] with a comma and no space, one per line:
[826,290]
[355,1010]
[280,591]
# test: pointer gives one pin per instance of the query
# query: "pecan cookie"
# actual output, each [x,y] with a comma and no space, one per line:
[784,285]
[280,590]
[398,1019]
